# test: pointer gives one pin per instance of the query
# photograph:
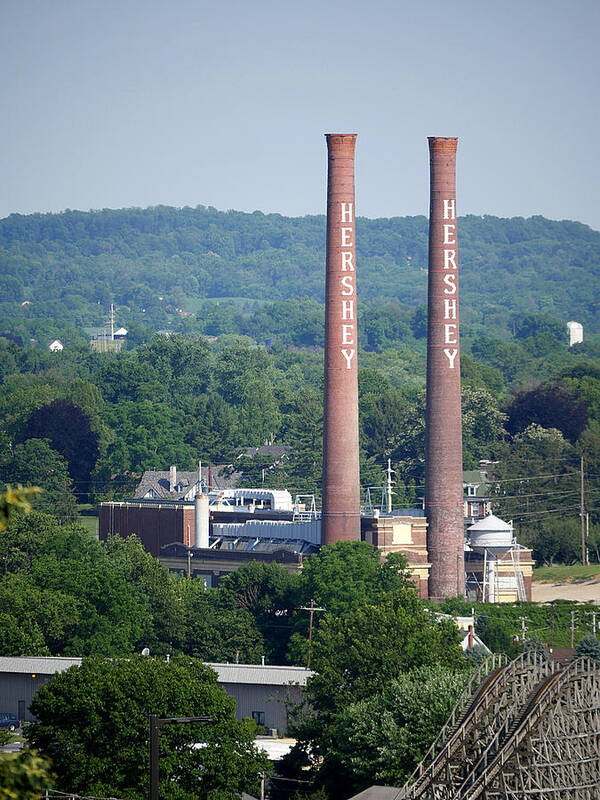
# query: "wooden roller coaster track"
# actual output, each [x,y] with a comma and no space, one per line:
[524,729]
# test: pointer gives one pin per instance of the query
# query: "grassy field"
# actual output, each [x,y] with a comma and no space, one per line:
[566,574]
[88,517]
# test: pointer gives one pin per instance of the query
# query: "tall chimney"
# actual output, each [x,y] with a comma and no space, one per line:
[443,453]
[341,478]
[172,478]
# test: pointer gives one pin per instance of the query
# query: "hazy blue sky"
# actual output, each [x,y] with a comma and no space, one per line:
[118,103]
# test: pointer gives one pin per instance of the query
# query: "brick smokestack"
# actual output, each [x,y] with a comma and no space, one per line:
[443,453]
[341,478]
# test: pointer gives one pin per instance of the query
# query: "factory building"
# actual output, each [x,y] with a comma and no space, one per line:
[252,525]
[260,691]
[194,525]
[216,534]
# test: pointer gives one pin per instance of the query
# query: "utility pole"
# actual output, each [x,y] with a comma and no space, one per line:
[572,629]
[552,635]
[587,537]
[583,555]
[523,628]
[312,608]
[594,622]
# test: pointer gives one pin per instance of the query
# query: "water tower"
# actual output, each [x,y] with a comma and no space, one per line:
[493,538]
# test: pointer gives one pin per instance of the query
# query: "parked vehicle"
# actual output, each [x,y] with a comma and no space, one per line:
[9,721]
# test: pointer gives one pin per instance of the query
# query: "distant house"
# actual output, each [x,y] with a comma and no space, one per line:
[121,333]
[174,484]
[56,346]
[476,495]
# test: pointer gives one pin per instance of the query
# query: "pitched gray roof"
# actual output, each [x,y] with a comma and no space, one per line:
[39,665]
[256,673]
[159,482]
[227,673]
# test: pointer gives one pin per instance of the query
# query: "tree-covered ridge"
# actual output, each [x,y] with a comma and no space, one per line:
[146,258]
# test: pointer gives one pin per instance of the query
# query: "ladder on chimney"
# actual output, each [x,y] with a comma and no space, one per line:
[515,553]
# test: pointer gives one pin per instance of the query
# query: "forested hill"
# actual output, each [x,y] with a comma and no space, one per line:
[75,260]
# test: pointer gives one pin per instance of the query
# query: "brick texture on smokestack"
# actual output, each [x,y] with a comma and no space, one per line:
[341,478]
[443,453]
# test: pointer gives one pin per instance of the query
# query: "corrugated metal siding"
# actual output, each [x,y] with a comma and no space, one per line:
[271,700]
[263,529]
[20,687]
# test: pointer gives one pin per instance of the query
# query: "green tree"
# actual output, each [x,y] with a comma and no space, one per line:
[346,575]
[305,433]
[15,500]
[550,405]
[35,462]
[71,433]
[69,594]
[217,629]
[24,776]
[259,415]
[482,424]
[92,721]
[269,593]
[589,647]
[357,655]
[381,739]
[163,617]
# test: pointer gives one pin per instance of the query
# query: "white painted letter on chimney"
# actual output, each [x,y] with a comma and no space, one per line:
[451,354]
[449,333]
[450,259]
[449,209]
[347,265]
[449,280]
[348,355]
[449,308]
[347,212]
[347,237]
[347,285]
[348,310]
[448,234]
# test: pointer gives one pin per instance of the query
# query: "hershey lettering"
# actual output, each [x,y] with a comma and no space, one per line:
[347,283]
[450,283]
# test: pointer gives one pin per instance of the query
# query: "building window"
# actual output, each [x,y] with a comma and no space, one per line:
[471,491]
[259,717]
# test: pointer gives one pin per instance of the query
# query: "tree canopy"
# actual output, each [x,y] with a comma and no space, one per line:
[93,722]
